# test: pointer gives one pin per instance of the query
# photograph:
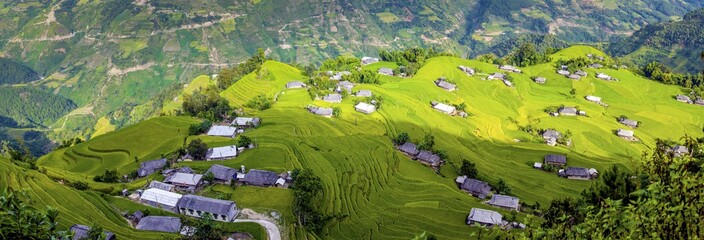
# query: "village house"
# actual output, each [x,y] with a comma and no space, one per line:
[507,83]
[363,93]
[160,224]
[222,174]
[333,98]
[594,65]
[601,58]
[445,85]
[679,150]
[369,60]
[365,108]
[627,134]
[447,109]
[499,76]
[551,136]
[589,55]
[160,185]
[296,84]
[149,167]
[540,80]
[469,71]
[219,210]
[563,72]
[509,68]
[484,217]
[325,112]
[603,76]
[593,98]
[567,111]
[338,75]
[629,122]
[345,85]
[161,199]
[222,131]
[386,71]
[259,178]
[683,98]
[429,158]
[699,102]
[186,182]
[574,77]
[578,173]
[246,122]
[581,73]
[505,202]
[409,149]
[555,160]
[81,232]
[475,187]
[221,153]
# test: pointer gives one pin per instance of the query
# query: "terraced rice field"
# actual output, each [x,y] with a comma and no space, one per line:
[255,84]
[200,82]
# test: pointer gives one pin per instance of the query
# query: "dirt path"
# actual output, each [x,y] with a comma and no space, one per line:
[266,221]
[117,72]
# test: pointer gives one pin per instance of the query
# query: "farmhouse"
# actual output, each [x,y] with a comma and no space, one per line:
[445,85]
[185,181]
[594,65]
[221,153]
[507,83]
[581,73]
[567,111]
[222,131]
[365,108]
[540,80]
[551,133]
[563,72]
[345,85]
[386,71]
[574,77]
[499,76]
[160,185]
[628,134]
[149,167]
[484,217]
[369,60]
[338,75]
[197,206]
[680,150]
[629,122]
[246,122]
[161,199]
[296,84]
[699,102]
[325,112]
[593,98]
[333,98]
[81,232]
[409,149]
[505,202]
[447,109]
[555,160]
[223,175]
[469,71]
[683,98]
[429,158]
[475,187]
[578,173]
[364,93]
[603,76]
[260,178]
[160,224]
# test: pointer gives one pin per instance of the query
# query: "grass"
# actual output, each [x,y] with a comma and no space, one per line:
[103,126]
[375,192]
[198,83]
[388,17]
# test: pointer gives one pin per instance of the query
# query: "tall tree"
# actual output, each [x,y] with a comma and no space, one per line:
[19,220]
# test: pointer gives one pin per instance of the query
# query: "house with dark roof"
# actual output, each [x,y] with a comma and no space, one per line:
[551,133]
[369,60]
[260,178]
[363,93]
[160,185]
[198,206]
[475,187]
[185,181]
[429,158]
[505,202]
[555,160]
[386,71]
[594,65]
[540,80]
[246,122]
[563,72]
[578,173]
[484,217]
[680,150]
[699,102]
[683,98]
[296,84]
[581,73]
[81,232]
[467,70]
[499,76]
[567,111]
[345,85]
[409,149]
[321,111]
[333,98]
[149,167]
[223,175]
[160,224]
[574,77]
[629,122]
[445,85]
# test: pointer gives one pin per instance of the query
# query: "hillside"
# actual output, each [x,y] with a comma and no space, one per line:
[33,107]
[116,57]
[677,44]
[374,191]
[14,72]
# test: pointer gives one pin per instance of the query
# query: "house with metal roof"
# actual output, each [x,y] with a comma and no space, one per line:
[259,178]
[484,217]
[364,93]
[593,98]
[198,206]
[475,187]
[581,73]
[160,185]
[499,76]
[386,71]
[221,153]
[551,133]
[629,122]
[540,80]
[468,70]
[81,232]
[333,98]
[185,181]
[445,85]
[321,111]
[683,98]
[160,224]
[296,84]
[603,76]
[510,68]
[567,111]
[345,85]
[505,202]
[369,60]
[555,160]
[447,109]
[625,133]
[160,199]
[574,77]
[409,149]
[429,158]
[680,150]
[365,108]
[246,122]
[563,72]
[149,167]
[578,173]
[699,102]
[222,131]
[223,175]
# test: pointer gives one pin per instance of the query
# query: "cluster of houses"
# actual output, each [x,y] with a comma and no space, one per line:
[467,70]
[551,137]
[574,76]
[426,157]
[485,217]
[686,99]
[237,126]
[560,161]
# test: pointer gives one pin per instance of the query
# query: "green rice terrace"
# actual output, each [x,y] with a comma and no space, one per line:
[372,190]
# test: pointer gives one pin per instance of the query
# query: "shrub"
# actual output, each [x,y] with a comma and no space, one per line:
[197,149]
[260,102]
[80,185]
[401,138]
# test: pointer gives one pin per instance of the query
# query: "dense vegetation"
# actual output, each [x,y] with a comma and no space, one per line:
[31,106]
[411,59]
[308,191]
[19,220]
[228,76]
[206,104]
[661,73]
[14,72]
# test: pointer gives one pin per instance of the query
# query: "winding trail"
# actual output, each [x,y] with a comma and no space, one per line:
[271,228]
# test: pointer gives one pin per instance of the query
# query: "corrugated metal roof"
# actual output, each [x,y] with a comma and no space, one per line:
[162,197]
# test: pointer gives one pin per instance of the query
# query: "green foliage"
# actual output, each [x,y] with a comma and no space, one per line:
[527,55]
[32,106]
[502,187]
[427,143]
[69,143]
[197,149]
[661,73]
[96,232]
[19,220]
[401,138]
[109,176]
[573,64]
[336,111]
[197,129]
[14,72]
[490,59]
[614,183]
[206,229]
[209,177]
[260,102]
[228,76]
[341,63]
[308,192]
[79,185]
[469,169]
[209,105]
[411,58]
[243,141]
[364,76]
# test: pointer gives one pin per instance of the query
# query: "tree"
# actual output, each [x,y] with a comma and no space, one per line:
[502,187]
[573,92]
[337,111]
[427,143]
[197,149]
[243,141]
[206,229]
[95,232]
[468,169]
[209,177]
[109,176]
[19,220]
[307,193]
[401,138]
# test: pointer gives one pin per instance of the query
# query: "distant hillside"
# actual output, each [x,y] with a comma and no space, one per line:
[12,72]
[677,44]
[32,107]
